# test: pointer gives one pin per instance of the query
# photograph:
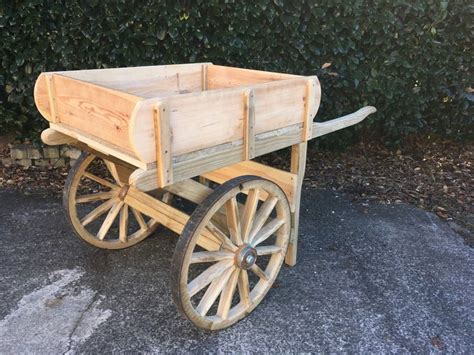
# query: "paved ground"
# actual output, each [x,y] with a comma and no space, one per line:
[369,279]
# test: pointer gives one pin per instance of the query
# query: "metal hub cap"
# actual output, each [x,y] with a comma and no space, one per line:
[246,257]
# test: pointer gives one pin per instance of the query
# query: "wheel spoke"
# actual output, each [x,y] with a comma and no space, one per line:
[113,213]
[139,218]
[270,228]
[233,221]
[210,256]
[208,276]
[262,216]
[225,301]
[99,180]
[111,167]
[244,287]
[213,292]
[259,272]
[99,211]
[94,197]
[267,250]
[249,213]
[220,235]
[123,232]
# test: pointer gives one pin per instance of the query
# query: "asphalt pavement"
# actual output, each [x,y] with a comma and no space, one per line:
[375,278]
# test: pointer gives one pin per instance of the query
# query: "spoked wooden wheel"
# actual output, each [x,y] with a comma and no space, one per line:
[216,288]
[94,203]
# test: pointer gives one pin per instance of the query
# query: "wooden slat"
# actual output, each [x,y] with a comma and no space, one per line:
[220,77]
[308,103]
[147,81]
[249,125]
[100,145]
[285,180]
[168,216]
[298,166]
[322,128]
[163,145]
[52,98]
[52,137]
[190,190]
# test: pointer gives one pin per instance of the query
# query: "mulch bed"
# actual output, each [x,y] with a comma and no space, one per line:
[436,176]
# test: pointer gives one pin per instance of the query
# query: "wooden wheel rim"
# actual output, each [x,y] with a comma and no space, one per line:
[183,255]
[69,202]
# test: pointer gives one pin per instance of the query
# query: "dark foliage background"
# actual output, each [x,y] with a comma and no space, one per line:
[412,59]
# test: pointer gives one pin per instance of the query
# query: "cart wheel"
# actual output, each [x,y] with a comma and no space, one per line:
[254,239]
[93,200]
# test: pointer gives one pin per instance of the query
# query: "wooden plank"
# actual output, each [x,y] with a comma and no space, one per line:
[163,145]
[322,128]
[167,215]
[52,98]
[100,145]
[220,77]
[285,180]
[204,77]
[146,81]
[52,137]
[308,102]
[298,166]
[199,163]
[249,125]
[95,110]
[190,190]
[218,116]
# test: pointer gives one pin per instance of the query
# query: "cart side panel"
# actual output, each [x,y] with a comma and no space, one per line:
[213,118]
[197,121]
[148,81]
[95,110]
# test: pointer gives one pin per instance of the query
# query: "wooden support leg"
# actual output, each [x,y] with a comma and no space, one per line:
[298,165]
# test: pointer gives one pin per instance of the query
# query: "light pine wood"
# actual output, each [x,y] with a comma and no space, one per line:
[108,199]
[51,137]
[163,145]
[210,256]
[221,77]
[190,190]
[198,292]
[233,221]
[298,166]
[168,216]
[123,232]
[249,213]
[262,216]
[113,212]
[285,180]
[52,98]
[249,125]
[322,128]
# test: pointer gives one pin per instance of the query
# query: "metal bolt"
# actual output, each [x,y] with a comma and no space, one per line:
[249,259]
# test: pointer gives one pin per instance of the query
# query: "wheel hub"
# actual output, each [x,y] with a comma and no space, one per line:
[245,257]
[123,192]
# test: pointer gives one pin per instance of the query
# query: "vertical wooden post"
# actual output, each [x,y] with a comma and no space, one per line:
[249,125]
[298,166]
[308,117]
[163,145]
[204,77]
[52,98]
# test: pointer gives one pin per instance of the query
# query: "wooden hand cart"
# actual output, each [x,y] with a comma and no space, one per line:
[151,133]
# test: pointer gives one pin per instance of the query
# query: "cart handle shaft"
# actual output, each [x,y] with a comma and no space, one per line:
[322,128]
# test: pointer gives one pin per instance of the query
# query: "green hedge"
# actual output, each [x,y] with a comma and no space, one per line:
[412,59]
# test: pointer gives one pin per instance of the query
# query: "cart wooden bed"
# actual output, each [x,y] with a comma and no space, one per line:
[189,130]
